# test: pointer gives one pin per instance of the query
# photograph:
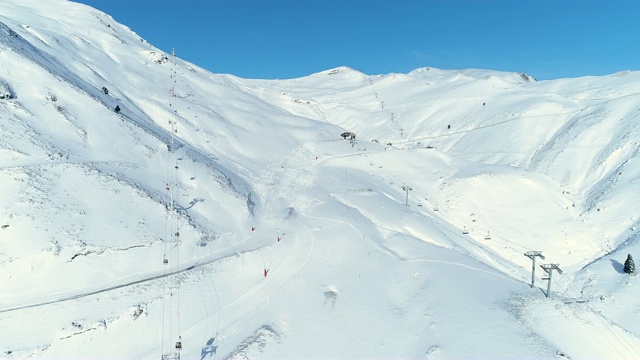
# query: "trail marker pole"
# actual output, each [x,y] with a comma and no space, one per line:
[532,255]
[406,199]
[548,268]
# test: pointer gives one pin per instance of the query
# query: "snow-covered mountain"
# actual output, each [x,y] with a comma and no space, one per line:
[405,242]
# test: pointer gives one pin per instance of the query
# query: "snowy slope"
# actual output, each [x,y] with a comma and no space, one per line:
[225,177]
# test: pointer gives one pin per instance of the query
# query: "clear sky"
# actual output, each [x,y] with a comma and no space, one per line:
[269,39]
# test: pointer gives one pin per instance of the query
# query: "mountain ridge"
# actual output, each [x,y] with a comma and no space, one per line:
[254,175]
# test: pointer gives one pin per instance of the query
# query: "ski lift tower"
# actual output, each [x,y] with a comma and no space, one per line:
[406,199]
[548,268]
[532,255]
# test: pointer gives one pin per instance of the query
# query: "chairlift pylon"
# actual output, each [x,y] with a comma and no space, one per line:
[171,212]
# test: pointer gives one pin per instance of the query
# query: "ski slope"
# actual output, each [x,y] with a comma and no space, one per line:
[254,176]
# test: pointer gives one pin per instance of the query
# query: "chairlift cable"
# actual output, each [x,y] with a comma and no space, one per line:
[174,211]
[171,298]
[607,325]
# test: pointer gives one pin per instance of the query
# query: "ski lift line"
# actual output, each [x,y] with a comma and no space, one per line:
[173,205]
[164,291]
[439,220]
[196,329]
[168,256]
[609,327]
[602,333]
[166,259]
[415,195]
[612,329]
[392,254]
[493,236]
[455,233]
[167,299]
[622,341]
[486,250]
[178,288]
[172,232]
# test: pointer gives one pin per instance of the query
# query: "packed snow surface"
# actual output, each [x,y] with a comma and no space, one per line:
[282,239]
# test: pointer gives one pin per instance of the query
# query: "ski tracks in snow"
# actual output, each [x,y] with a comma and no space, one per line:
[244,246]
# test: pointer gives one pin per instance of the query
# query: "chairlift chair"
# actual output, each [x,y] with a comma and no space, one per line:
[464,230]
[488,236]
[419,203]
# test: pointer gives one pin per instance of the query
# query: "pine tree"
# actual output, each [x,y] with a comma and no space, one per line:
[629,265]
[117,109]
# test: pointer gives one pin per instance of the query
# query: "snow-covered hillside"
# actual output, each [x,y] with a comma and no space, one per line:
[405,242]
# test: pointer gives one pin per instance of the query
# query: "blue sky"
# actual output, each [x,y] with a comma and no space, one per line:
[262,39]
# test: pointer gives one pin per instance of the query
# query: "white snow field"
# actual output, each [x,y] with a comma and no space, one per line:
[227,177]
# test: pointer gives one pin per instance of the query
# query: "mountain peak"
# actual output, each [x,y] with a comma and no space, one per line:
[335,71]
